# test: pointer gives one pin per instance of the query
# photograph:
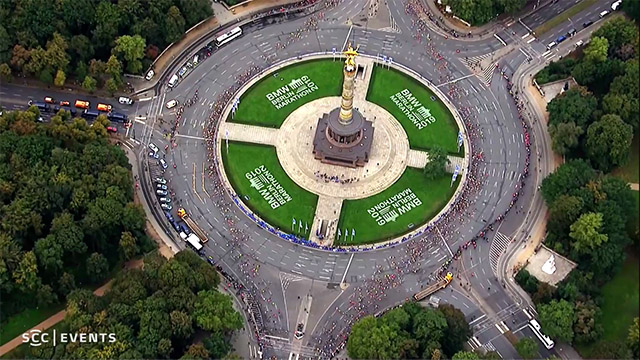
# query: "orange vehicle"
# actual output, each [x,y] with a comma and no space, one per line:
[81,104]
[104,107]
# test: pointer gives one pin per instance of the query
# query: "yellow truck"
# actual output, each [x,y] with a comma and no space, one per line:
[440,284]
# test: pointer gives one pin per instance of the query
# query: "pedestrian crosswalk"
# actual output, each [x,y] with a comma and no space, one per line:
[548,54]
[286,279]
[499,244]
[481,67]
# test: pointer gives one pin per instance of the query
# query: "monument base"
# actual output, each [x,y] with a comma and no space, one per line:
[342,145]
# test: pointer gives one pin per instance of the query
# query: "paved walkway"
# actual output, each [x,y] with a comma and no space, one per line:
[249,133]
[328,209]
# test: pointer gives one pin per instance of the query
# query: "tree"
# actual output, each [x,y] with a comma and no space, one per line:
[435,167]
[543,294]
[429,325]
[632,339]
[565,137]
[585,232]
[556,318]
[82,48]
[60,78]
[608,142]
[465,355]
[574,105]
[181,325]
[26,274]
[111,86]
[5,73]
[97,267]
[89,84]
[457,332]
[371,340]
[196,351]
[66,284]
[217,346]
[128,245]
[174,25]
[568,177]
[563,212]
[623,106]
[56,54]
[619,33]
[527,348]
[132,49]
[632,9]
[5,45]
[214,312]
[597,49]
[586,328]
[114,68]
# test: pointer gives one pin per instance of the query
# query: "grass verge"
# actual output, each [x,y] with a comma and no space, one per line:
[242,160]
[443,132]
[21,322]
[324,78]
[560,18]
[358,214]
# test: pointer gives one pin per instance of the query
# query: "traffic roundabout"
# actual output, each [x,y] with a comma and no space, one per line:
[271,168]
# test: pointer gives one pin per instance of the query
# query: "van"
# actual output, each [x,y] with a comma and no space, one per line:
[604,13]
[615,5]
[551,45]
[572,32]
[195,60]
[81,104]
[173,81]
[172,103]
[104,107]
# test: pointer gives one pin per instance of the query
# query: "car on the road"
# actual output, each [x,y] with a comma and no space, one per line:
[585,24]
[166,206]
[165,199]
[161,192]
[55,108]
[173,81]
[153,147]
[615,5]
[154,155]
[163,163]
[104,107]
[40,119]
[571,32]
[150,75]
[160,180]
[64,103]
[298,334]
[551,45]
[81,104]
[168,215]
[579,43]
[172,103]
[49,100]
[125,100]
[160,186]
[210,260]
[185,228]
[175,225]
[182,71]
[604,13]
[560,39]
[112,129]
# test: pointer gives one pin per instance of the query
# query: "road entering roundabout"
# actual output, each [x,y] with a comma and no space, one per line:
[333,158]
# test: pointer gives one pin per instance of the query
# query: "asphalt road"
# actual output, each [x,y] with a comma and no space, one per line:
[293,283]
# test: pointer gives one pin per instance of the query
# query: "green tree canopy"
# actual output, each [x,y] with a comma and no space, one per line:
[597,49]
[214,312]
[556,318]
[565,137]
[435,167]
[574,105]
[527,348]
[608,142]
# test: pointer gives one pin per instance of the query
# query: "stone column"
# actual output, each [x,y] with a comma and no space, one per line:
[346,106]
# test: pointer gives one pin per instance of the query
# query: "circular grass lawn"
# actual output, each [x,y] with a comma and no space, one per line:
[269,101]
[258,179]
[407,204]
[424,117]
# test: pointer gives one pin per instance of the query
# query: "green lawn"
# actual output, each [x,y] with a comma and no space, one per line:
[256,109]
[242,159]
[23,351]
[21,322]
[563,16]
[629,172]
[422,135]
[432,194]
[620,304]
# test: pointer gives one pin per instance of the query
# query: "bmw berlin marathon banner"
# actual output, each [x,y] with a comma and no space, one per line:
[269,188]
[395,206]
[293,91]
[419,115]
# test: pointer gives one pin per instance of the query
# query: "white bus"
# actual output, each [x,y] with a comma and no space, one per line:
[546,341]
[234,33]
[193,241]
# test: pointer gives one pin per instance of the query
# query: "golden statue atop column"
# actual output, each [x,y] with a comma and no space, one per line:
[348,85]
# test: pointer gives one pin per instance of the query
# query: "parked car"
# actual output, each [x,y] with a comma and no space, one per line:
[571,32]
[160,186]
[161,192]
[153,147]
[298,334]
[182,71]
[604,13]
[163,163]
[160,180]
[112,129]
[64,103]
[104,107]
[175,225]
[166,207]
[165,200]
[579,43]
[125,100]
[154,155]
[615,5]
[150,75]
[172,103]
[48,100]
[551,45]
[587,23]
[561,38]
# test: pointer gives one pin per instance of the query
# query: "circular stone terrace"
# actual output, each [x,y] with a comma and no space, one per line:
[265,143]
